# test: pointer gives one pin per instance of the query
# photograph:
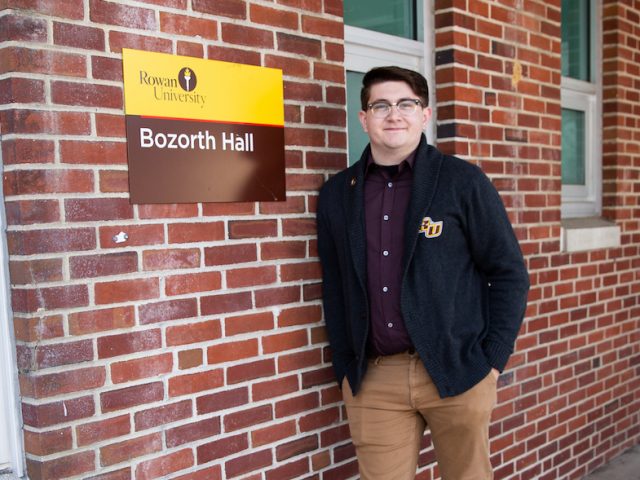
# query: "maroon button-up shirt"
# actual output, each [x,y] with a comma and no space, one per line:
[386,199]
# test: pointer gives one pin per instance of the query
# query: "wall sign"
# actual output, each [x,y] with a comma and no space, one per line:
[202,130]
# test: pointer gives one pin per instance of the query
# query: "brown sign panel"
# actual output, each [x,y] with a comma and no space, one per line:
[180,161]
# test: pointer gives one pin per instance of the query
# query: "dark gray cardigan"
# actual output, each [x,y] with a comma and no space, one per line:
[463,291]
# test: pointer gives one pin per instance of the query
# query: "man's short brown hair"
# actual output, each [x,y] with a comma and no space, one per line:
[416,82]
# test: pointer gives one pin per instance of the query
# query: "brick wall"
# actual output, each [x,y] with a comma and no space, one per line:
[195,350]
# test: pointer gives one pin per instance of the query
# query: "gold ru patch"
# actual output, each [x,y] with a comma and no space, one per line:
[430,228]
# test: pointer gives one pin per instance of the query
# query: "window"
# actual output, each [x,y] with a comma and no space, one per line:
[384,32]
[581,110]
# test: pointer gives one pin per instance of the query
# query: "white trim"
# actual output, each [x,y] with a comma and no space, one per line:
[11,453]
[581,234]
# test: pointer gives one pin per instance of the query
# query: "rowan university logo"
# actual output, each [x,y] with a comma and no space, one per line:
[430,228]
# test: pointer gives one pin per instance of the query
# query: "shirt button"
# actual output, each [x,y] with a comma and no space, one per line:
[390,325]
[390,184]
[385,253]
[385,218]
[385,289]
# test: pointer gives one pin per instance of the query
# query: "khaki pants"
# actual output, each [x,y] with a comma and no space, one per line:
[388,417]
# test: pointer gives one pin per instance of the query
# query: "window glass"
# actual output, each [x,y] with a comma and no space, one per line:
[576,51]
[573,147]
[357,138]
[393,17]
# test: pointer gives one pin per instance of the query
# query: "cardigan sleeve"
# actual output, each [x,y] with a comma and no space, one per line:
[332,291]
[497,255]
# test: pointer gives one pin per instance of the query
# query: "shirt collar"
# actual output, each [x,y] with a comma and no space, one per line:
[406,163]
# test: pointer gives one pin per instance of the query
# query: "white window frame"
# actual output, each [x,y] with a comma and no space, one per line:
[11,451]
[366,49]
[586,201]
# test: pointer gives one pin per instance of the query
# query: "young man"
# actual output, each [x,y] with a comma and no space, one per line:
[424,290]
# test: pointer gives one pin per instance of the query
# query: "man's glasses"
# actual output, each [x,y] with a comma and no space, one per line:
[406,107]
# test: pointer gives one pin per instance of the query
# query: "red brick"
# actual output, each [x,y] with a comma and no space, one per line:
[113,181]
[248,323]
[162,415]
[300,316]
[62,467]
[72,9]
[274,388]
[64,382]
[325,116]
[168,310]
[308,47]
[248,463]
[300,271]
[223,8]
[222,448]
[82,323]
[126,290]
[21,150]
[234,55]
[302,91]
[230,351]
[297,447]
[191,432]
[139,368]
[87,95]
[108,125]
[160,467]
[252,229]
[246,277]
[137,235]
[171,259]
[295,405]
[293,204]
[211,473]
[222,400]
[105,68]
[273,433]
[37,329]
[193,282]
[78,36]
[196,232]
[190,359]
[131,342]
[125,398]
[315,420]
[291,67]
[54,355]
[247,36]
[47,443]
[122,15]
[284,341]
[49,62]
[230,254]
[29,212]
[193,333]
[101,430]
[195,382]
[175,210]
[21,90]
[295,227]
[189,26]
[35,271]
[93,153]
[130,449]
[250,371]
[97,209]
[249,417]
[119,40]
[48,414]
[299,360]
[322,27]
[25,182]
[277,296]
[225,303]
[122,474]
[30,300]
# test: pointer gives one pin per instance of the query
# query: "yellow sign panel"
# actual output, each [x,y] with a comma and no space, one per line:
[163,85]
[202,130]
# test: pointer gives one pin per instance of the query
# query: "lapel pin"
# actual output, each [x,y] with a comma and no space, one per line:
[353,182]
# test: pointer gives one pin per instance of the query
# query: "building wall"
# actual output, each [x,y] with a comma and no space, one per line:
[196,349]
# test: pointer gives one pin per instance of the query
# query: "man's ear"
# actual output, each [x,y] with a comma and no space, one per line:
[426,116]
[362,115]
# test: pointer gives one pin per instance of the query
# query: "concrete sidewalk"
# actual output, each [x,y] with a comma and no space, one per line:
[624,467]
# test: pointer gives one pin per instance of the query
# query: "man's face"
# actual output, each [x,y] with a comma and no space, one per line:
[395,133]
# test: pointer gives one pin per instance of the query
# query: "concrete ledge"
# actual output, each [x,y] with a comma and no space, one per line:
[590,233]
[624,467]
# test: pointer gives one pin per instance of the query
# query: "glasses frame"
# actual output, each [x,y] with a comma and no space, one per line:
[389,106]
